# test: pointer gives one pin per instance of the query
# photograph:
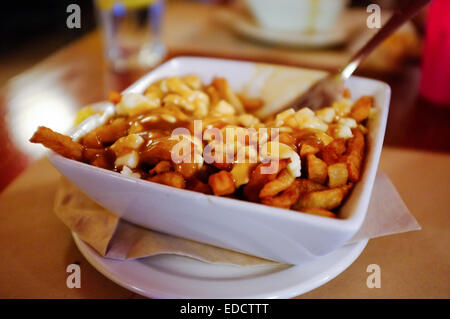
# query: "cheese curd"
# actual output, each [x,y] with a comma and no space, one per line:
[277,151]
[135,103]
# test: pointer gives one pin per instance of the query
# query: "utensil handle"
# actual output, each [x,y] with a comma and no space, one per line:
[398,18]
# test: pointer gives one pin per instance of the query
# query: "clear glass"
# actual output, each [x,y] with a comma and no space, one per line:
[132,32]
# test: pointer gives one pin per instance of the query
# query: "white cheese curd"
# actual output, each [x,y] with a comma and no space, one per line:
[276,150]
[133,103]
[131,160]
[128,172]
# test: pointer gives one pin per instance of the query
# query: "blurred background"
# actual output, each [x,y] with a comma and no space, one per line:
[48,70]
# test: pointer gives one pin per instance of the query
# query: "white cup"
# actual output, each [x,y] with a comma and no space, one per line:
[297,15]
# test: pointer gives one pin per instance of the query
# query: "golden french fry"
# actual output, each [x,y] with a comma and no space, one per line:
[306,149]
[59,143]
[107,133]
[187,170]
[307,185]
[250,104]
[318,211]
[337,175]
[346,188]
[158,149]
[317,169]
[361,109]
[327,199]
[90,154]
[287,139]
[214,95]
[161,167]
[224,90]
[258,180]
[197,185]
[169,178]
[332,153]
[103,162]
[286,199]
[193,81]
[355,153]
[279,184]
[222,183]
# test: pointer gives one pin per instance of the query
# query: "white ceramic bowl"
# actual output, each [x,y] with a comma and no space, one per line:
[260,230]
[297,15]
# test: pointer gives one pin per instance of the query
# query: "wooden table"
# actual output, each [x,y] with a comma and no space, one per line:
[35,247]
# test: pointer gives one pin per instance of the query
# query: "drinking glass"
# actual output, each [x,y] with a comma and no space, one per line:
[132,32]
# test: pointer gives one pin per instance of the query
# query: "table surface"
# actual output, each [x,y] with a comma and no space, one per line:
[37,247]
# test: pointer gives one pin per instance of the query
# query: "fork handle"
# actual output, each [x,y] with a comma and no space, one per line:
[398,18]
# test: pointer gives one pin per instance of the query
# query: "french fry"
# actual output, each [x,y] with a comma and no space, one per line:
[286,199]
[214,95]
[222,183]
[102,161]
[279,184]
[258,180]
[187,170]
[161,167]
[287,139]
[355,153]
[250,104]
[223,165]
[318,211]
[197,185]
[159,149]
[306,149]
[317,169]
[346,188]
[241,173]
[90,154]
[193,81]
[326,199]
[337,175]
[361,109]
[227,94]
[306,185]
[169,178]
[59,143]
[108,133]
[332,153]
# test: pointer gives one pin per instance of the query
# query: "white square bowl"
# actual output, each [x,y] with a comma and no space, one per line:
[264,231]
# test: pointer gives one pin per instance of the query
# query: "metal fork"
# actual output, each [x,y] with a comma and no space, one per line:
[325,91]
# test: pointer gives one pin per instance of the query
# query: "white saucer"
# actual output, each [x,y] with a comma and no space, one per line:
[170,276]
[243,25]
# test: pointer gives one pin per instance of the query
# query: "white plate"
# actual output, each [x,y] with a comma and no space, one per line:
[170,276]
[350,22]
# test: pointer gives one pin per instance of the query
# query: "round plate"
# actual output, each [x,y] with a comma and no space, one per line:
[171,276]
[343,32]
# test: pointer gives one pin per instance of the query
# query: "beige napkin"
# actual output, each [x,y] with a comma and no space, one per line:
[119,239]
